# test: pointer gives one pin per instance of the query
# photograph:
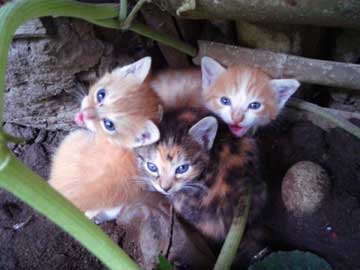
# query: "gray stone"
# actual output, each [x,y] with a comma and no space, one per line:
[347,47]
[155,229]
[31,29]
[27,133]
[41,75]
[36,157]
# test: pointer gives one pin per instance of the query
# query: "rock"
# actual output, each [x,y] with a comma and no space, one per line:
[277,38]
[31,29]
[36,157]
[304,187]
[28,134]
[347,48]
[155,230]
[41,75]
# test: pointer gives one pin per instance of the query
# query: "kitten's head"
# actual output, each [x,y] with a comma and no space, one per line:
[243,96]
[121,106]
[178,159]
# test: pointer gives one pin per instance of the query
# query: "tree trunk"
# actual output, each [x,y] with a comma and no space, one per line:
[340,13]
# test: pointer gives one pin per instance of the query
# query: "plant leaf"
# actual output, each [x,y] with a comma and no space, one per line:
[164,264]
[295,260]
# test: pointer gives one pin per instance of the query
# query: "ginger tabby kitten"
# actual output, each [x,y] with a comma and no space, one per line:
[95,167]
[242,96]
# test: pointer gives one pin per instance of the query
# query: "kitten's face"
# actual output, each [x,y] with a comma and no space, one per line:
[175,162]
[243,96]
[120,106]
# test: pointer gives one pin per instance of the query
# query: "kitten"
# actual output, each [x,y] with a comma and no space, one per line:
[242,96]
[95,168]
[204,174]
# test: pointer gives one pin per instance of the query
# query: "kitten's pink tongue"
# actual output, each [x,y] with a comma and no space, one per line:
[237,130]
[79,118]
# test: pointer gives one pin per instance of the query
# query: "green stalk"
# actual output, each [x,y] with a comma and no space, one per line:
[336,119]
[146,31]
[123,10]
[127,22]
[20,180]
[229,249]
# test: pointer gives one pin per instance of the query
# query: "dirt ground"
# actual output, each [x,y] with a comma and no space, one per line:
[332,232]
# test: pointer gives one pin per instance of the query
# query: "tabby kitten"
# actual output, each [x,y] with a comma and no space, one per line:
[203,170]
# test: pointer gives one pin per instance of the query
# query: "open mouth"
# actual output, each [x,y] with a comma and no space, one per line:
[238,131]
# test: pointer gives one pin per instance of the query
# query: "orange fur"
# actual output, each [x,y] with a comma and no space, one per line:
[93,173]
[242,85]
[178,88]
[253,81]
[96,169]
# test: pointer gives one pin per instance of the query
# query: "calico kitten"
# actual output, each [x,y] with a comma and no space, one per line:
[95,168]
[242,96]
[204,174]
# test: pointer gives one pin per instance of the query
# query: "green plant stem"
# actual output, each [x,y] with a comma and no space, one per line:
[31,188]
[229,249]
[124,25]
[145,31]
[123,10]
[4,137]
[336,119]
[16,177]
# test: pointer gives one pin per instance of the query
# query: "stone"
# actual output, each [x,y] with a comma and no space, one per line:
[31,29]
[155,229]
[304,188]
[42,74]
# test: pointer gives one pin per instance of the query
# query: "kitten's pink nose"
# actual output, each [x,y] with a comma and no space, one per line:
[79,118]
[166,186]
[237,118]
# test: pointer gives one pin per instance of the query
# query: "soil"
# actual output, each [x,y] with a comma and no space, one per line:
[332,232]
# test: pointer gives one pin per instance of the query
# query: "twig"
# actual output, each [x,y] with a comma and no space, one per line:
[337,13]
[336,119]
[233,238]
[280,65]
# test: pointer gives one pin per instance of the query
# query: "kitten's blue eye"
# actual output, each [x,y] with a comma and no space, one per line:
[182,169]
[254,105]
[152,167]
[109,125]
[100,95]
[225,101]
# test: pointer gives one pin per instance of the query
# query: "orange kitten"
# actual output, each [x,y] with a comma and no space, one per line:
[95,168]
[242,96]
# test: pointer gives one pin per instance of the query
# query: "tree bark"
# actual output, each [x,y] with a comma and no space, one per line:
[280,65]
[340,13]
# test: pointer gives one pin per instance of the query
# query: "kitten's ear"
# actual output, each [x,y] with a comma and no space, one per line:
[204,131]
[150,134]
[284,88]
[210,71]
[140,69]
